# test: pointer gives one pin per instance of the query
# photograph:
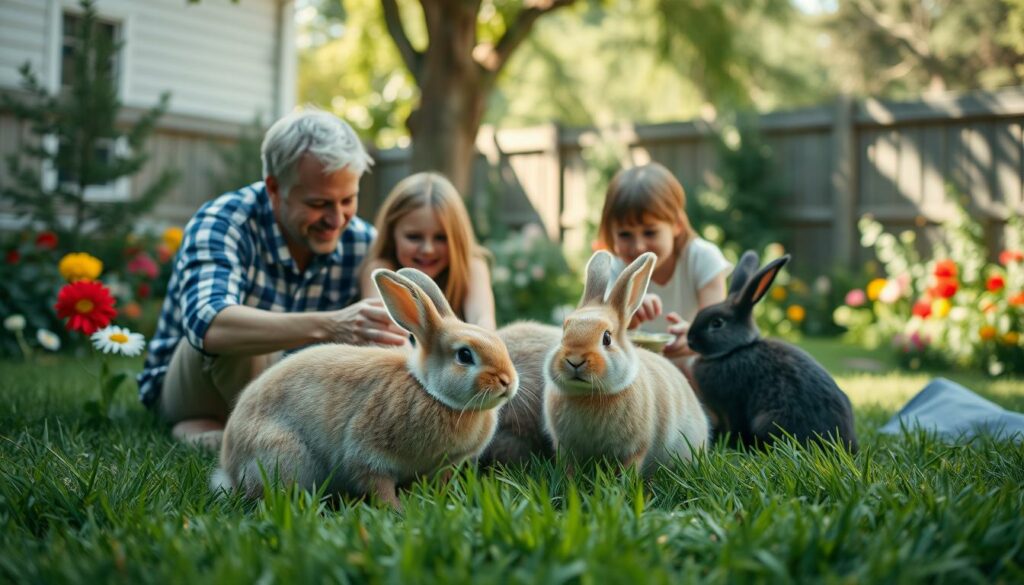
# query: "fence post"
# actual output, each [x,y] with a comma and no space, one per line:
[844,179]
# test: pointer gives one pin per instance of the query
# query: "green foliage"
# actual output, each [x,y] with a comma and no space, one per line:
[77,132]
[742,208]
[957,309]
[349,66]
[531,279]
[81,503]
[899,48]
[29,282]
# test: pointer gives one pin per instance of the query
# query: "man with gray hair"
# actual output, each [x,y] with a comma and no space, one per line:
[265,269]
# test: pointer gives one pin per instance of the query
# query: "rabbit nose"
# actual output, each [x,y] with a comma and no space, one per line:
[505,381]
[575,366]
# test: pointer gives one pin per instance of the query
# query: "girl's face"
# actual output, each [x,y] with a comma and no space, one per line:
[421,242]
[651,235]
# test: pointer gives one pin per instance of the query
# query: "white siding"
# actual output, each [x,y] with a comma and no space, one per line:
[217,58]
[23,37]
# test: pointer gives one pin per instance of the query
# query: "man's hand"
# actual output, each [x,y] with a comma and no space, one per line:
[679,327]
[363,323]
[649,309]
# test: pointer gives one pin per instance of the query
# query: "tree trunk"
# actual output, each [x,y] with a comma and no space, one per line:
[455,76]
[445,125]
[454,90]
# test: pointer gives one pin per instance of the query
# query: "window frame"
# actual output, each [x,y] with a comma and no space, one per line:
[118,189]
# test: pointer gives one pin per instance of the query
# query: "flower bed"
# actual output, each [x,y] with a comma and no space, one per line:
[960,308]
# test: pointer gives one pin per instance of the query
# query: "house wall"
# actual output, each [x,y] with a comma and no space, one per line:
[217,58]
[224,63]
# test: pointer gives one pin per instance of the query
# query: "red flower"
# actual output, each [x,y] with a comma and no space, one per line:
[46,241]
[922,309]
[1017,299]
[995,283]
[13,257]
[87,305]
[945,269]
[1008,256]
[945,288]
[143,291]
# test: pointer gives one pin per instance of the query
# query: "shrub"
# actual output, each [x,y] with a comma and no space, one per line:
[531,278]
[959,308]
[34,269]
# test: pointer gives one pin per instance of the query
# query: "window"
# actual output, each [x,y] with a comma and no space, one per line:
[107,32]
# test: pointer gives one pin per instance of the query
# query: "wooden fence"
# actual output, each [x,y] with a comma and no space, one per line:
[835,162]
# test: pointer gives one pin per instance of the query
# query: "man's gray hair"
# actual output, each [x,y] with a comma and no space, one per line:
[325,136]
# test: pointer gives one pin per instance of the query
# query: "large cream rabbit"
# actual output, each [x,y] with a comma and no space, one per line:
[369,418]
[521,434]
[607,398]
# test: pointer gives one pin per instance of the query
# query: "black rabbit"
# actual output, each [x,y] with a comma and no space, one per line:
[759,388]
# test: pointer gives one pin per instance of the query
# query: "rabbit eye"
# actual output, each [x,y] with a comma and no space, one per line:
[412,340]
[607,339]
[717,323]
[464,356]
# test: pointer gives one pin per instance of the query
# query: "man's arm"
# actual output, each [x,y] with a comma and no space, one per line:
[239,329]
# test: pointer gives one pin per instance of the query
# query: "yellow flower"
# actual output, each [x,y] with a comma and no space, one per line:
[987,332]
[80,266]
[941,307]
[779,293]
[796,313]
[172,238]
[1011,338]
[875,288]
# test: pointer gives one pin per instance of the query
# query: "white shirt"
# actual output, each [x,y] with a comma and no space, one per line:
[698,264]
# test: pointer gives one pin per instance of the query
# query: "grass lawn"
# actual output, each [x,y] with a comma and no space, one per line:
[81,502]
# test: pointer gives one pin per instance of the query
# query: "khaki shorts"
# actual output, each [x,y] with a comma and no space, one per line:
[199,386]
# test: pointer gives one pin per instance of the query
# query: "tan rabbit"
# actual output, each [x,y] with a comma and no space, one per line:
[521,434]
[369,418]
[607,398]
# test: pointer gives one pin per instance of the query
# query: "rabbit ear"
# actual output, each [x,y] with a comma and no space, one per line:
[758,285]
[631,286]
[406,303]
[599,269]
[444,309]
[744,268]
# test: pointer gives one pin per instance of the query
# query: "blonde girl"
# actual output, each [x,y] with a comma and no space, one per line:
[423,224]
[645,211]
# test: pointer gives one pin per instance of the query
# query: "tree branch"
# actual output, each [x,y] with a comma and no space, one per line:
[901,31]
[495,59]
[410,56]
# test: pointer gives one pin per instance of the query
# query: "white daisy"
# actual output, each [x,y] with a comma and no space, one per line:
[118,340]
[48,339]
[14,323]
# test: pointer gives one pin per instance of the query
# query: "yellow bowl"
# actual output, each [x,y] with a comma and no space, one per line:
[651,341]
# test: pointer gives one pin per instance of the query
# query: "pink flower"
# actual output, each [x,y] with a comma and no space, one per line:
[856,298]
[144,265]
[903,280]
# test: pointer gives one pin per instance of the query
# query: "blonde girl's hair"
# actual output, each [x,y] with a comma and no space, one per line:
[642,192]
[412,193]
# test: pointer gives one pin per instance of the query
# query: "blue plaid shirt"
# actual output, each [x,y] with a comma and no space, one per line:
[233,253]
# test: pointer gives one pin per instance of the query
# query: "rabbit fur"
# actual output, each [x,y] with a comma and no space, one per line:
[369,419]
[607,398]
[757,388]
[521,434]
